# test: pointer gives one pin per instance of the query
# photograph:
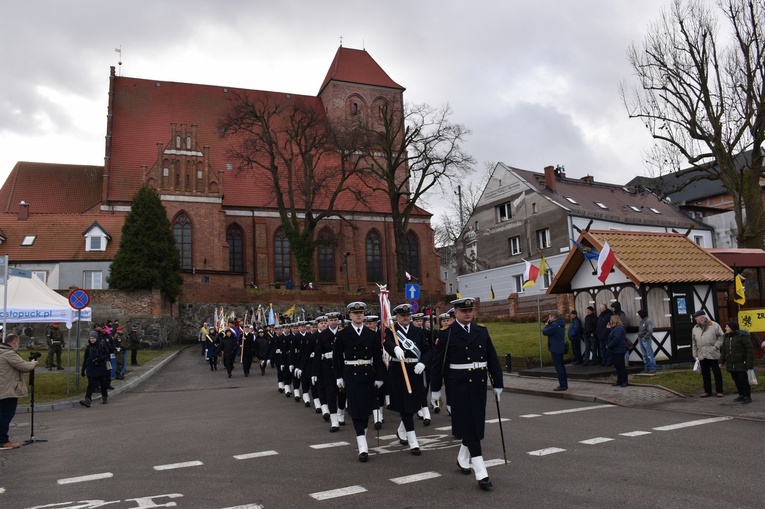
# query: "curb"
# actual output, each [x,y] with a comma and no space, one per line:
[128,384]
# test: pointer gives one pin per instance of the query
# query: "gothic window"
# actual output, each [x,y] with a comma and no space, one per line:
[326,256]
[374,258]
[282,257]
[182,233]
[235,249]
[412,255]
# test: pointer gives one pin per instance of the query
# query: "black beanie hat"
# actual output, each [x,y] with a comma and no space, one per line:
[733,326]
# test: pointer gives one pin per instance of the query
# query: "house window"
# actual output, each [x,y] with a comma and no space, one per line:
[326,256]
[543,238]
[547,278]
[533,208]
[41,275]
[92,279]
[188,142]
[636,209]
[515,245]
[177,142]
[476,226]
[571,200]
[282,257]
[95,243]
[451,288]
[182,233]
[601,205]
[165,172]
[235,249]
[654,210]
[412,255]
[28,240]
[699,240]
[199,174]
[518,283]
[446,274]
[504,212]
[374,258]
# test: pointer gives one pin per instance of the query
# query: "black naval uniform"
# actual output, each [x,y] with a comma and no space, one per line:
[400,400]
[275,358]
[324,372]
[357,359]
[248,351]
[263,346]
[229,344]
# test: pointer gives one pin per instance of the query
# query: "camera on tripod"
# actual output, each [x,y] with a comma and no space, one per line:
[34,356]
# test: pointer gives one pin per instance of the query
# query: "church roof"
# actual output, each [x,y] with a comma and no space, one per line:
[357,66]
[52,188]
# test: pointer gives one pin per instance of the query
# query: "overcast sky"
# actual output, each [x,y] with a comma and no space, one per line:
[537,83]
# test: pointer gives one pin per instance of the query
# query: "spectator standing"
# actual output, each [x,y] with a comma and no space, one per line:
[616,308]
[645,338]
[94,365]
[555,330]
[617,346]
[590,339]
[602,331]
[134,343]
[55,340]
[707,338]
[575,336]
[737,355]
[12,386]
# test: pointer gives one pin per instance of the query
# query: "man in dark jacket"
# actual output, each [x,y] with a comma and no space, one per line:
[575,336]
[590,339]
[602,332]
[555,330]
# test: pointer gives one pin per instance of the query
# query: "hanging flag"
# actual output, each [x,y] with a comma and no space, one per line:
[740,297]
[492,291]
[386,316]
[458,295]
[408,276]
[588,252]
[530,275]
[606,262]
[271,317]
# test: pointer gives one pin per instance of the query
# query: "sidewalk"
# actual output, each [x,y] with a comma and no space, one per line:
[639,394]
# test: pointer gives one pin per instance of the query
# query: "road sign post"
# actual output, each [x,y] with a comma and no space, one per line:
[79,300]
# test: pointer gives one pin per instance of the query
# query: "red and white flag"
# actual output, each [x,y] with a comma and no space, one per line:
[408,276]
[530,275]
[606,261]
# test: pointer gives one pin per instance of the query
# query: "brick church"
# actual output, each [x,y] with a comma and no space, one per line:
[226,221]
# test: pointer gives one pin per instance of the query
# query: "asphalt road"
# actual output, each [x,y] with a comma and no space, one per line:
[189,437]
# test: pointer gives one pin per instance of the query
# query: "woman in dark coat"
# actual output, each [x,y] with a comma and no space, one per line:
[616,344]
[737,356]
[94,366]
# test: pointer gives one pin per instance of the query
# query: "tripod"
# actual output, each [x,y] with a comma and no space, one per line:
[32,438]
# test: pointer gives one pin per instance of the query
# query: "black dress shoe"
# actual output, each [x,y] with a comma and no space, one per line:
[307,403]
[464,471]
[342,423]
[333,429]
[426,422]
[326,417]
[437,410]
[363,457]
[318,410]
[556,390]
[416,451]
[378,425]
[402,441]
[485,484]
[281,390]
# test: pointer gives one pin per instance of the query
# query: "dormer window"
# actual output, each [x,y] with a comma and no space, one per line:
[633,207]
[28,240]
[601,205]
[96,239]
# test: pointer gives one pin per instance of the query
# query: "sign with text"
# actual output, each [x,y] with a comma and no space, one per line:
[752,320]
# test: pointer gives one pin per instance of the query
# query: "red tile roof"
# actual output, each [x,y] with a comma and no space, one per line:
[52,188]
[357,66]
[58,240]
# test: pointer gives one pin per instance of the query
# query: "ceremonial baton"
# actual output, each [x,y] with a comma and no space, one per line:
[501,433]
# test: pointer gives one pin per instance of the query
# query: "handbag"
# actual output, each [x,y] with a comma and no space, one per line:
[697,366]
[750,374]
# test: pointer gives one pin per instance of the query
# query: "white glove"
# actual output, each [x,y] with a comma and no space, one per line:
[292,368]
[399,353]
[314,379]
[419,368]
[298,372]
[282,367]
[340,383]
[378,384]
[435,396]
[498,392]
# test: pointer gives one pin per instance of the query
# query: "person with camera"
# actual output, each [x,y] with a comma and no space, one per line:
[94,365]
[555,330]
[12,386]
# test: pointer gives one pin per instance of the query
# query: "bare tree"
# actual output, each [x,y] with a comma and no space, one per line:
[703,100]
[448,225]
[290,144]
[407,151]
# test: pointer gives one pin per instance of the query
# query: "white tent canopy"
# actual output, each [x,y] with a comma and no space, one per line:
[31,301]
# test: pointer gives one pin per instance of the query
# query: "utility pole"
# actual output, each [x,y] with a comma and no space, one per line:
[459,195]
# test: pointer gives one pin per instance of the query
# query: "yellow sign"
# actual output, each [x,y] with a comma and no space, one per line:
[752,319]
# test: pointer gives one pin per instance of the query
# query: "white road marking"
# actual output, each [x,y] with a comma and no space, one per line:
[328,445]
[528,416]
[443,428]
[594,441]
[635,433]
[415,477]
[255,455]
[340,492]
[84,478]
[248,506]
[494,463]
[582,409]
[2,490]
[388,437]
[688,424]
[545,452]
[172,466]
[495,421]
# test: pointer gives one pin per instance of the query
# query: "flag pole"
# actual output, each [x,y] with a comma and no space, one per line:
[383,294]
[539,322]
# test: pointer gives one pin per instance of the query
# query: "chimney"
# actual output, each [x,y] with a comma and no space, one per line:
[23,211]
[550,178]
[588,179]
